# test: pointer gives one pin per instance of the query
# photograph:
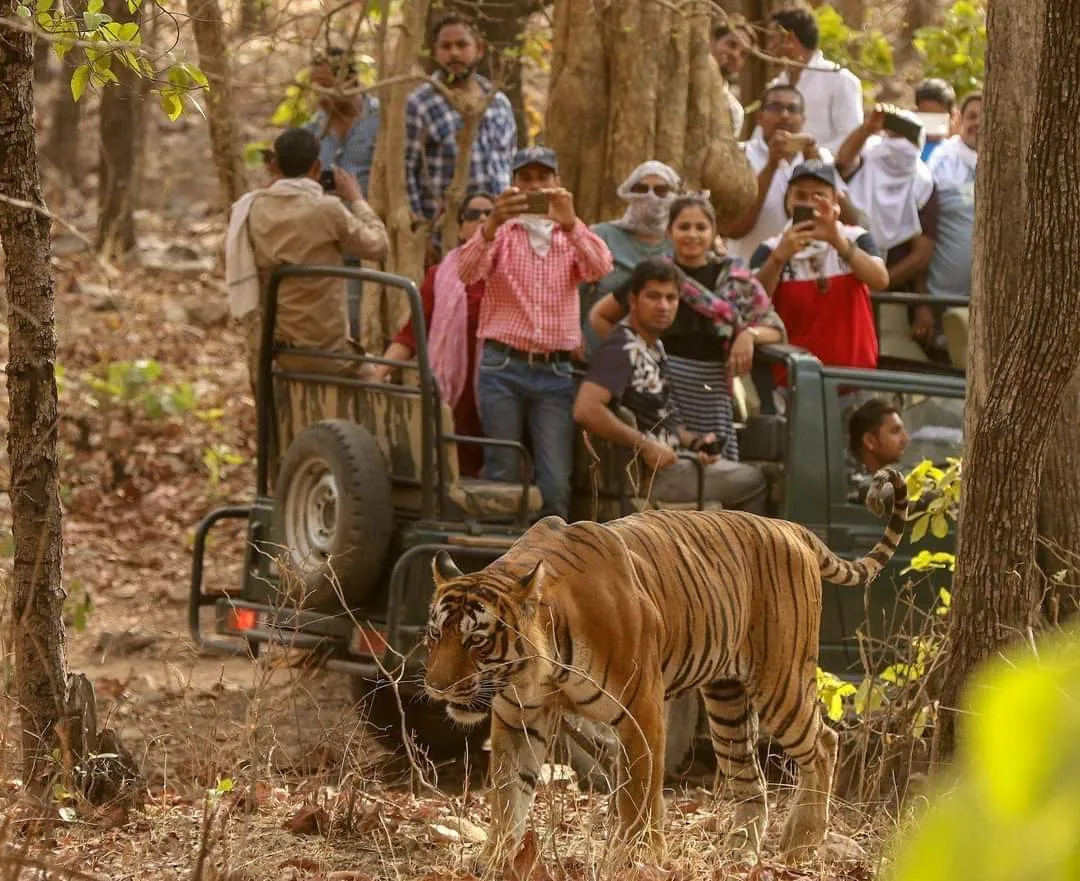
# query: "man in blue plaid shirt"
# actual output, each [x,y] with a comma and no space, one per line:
[431,123]
[346,125]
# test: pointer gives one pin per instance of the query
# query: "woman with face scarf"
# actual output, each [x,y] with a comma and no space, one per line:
[641,232]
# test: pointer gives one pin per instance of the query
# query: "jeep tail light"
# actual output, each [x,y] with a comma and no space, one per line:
[240,620]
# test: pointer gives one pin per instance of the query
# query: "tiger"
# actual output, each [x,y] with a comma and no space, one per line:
[610,620]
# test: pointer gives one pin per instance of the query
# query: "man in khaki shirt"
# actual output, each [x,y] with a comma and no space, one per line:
[294,222]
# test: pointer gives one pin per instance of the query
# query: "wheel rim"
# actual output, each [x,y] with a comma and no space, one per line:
[311,509]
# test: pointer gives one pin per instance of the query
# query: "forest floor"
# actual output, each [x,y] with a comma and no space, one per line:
[255,770]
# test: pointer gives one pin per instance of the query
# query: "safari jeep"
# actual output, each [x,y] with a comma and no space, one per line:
[342,530]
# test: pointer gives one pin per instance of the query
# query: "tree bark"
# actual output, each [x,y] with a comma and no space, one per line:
[633,81]
[121,121]
[383,315]
[209,31]
[37,596]
[252,16]
[62,147]
[1059,509]
[1020,384]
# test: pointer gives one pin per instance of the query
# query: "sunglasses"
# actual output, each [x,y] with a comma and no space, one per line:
[780,107]
[661,191]
[476,213]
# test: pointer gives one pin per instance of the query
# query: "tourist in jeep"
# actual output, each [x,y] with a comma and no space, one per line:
[631,369]
[293,222]
[820,273]
[532,252]
[877,438]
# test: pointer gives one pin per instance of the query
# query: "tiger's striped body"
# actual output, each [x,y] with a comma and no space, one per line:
[610,620]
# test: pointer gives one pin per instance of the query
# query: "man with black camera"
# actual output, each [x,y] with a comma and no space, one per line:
[630,369]
[294,222]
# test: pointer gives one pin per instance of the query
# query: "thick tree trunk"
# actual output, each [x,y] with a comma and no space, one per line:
[1059,508]
[36,594]
[1011,415]
[633,81]
[209,31]
[382,316]
[121,121]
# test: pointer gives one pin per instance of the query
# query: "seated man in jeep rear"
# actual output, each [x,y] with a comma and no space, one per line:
[630,369]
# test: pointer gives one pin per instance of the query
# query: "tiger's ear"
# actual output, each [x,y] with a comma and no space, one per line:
[444,569]
[532,586]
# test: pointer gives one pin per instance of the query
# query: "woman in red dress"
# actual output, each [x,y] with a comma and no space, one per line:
[451,311]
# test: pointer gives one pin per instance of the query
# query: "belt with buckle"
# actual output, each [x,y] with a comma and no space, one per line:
[558,357]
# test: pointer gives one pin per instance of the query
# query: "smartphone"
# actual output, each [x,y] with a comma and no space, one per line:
[907,128]
[802,213]
[539,203]
[798,142]
[936,125]
[326,178]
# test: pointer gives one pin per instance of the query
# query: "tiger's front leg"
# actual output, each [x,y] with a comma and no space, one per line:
[519,746]
[640,797]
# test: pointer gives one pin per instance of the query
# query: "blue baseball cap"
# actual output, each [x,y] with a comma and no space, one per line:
[544,156]
[816,169]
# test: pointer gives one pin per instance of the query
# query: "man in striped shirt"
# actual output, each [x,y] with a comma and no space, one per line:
[533,252]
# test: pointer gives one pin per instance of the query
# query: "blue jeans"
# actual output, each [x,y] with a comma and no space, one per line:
[512,394]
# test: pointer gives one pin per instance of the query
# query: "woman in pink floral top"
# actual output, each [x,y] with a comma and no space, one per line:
[723,314]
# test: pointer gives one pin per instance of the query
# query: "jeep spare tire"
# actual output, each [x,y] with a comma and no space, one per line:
[333,515]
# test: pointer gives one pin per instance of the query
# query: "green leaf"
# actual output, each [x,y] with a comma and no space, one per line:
[95,5]
[23,11]
[918,531]
[78,81]
[939,526]
[172,105]
[195,75]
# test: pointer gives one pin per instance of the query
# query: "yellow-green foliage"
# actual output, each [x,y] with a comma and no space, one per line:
[1012,810]
[868,53]
[955,50]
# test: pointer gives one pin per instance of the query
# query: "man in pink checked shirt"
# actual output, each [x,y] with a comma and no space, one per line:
[532,258]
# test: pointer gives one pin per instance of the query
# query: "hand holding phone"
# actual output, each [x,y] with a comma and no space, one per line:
[539,203]
[801,214]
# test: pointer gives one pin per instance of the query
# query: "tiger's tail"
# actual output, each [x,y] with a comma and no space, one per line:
[887,482]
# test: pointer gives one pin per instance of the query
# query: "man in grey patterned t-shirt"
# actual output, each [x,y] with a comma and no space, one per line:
[630,369]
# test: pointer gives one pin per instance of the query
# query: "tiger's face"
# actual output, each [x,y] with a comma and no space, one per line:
[474,644]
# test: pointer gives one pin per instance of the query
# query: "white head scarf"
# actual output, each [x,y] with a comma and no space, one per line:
[891,187]
[646,213]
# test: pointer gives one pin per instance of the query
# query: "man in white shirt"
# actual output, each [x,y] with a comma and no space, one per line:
[777,145]
[832,94]
[731,42]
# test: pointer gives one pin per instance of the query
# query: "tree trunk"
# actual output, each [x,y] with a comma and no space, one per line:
[1020,363]
[1059,509]
[633,81]
[252,16]
[383,315]
[209,31]
[121,121]
[42,54]
[62,147]
[37,597]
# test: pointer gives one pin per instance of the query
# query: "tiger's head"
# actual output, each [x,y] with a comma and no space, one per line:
[481,635]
